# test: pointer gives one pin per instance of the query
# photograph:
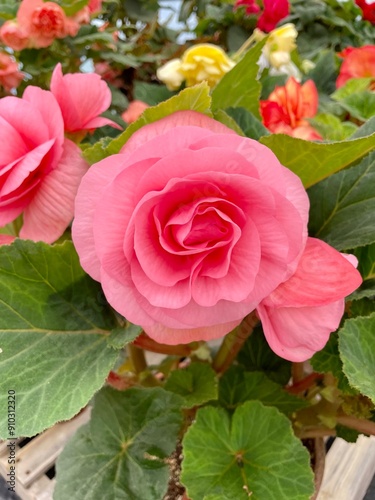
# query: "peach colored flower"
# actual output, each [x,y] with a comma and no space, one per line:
[134,111]
[286,109]
[358,63]
[44,22]
[14,36]
[82,97]
[10,76]
[39,169]
[95,6]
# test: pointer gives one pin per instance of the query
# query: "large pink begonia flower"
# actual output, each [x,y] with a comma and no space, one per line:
[299,315]
[39,170]
[191,227]
[82,97]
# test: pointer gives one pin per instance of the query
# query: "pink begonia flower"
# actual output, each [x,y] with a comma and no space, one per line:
[10,76]
[134,111]
[82,97]
[39,170]
[189,227]
[14,36]
[43,22]
[6,239]
[298,317]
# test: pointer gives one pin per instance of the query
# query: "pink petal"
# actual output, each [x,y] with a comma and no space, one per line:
[12,143]
[296,333]
[82,97]
[51,209]
[101,122]
[6,239]
[180,118]
[323,276]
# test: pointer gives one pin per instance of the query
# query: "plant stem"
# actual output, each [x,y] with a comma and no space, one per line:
[137,357]
[146,343]
[298,372]
[316,432]
[233,342]
[359,424]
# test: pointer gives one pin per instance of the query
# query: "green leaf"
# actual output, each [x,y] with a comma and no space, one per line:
[237,386]
[120,337]
[54,323]
[365,129]
[195,98]
[362,307]
[356,345]
[197,384]
[239,87]
[342,207]
[121,453]
[71,7]
[251,126]
[251,453]
[256,355]
[223,117]
[151,93]
[351,87]
[366,266]
[332,128]
[360,105]
[8,9]
[328,361]
[142,10]
[312,161]
[325,73]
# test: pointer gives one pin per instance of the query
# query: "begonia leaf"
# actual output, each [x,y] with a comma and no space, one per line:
[120,337]
[256,355]
[352,86]
[332,128]
[366,266]
[251,126]
[195,98]
[71,7]
[240,87]
[356,345]
[342,211]
[360,105]
[121,453]
[250,453]
[237,386]
[313,161]
[54,323]
[197,384]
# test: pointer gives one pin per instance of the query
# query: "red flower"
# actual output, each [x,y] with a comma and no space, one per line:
[274,11]
[358,63]
[286,108]
[368,10]
[251,7]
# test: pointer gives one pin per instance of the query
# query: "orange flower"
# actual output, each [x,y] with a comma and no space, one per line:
[10,77]
[286,109]
[134,111]
[13,36]
[358,63]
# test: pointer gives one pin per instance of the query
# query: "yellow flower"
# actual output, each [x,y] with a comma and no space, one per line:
[170,74]
[205,62]
[280,44]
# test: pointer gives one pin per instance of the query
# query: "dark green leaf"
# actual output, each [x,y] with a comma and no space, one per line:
[342,208]
[251,453]
[121,453]
[256,355]
[120,337]
[151,93]
[251,126]
[197,384]
[237,386]
[54,322]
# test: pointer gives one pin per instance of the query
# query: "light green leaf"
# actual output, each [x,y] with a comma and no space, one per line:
[239,87]
[360,105]
[251,126]
[71,7]
[251,453]
[54,323]
[8,9]
[342,210]
[121,453]
[352,86]
[120,337]
[256,355]
[197,384]
[356,345]
[312,161]
[195,98]
[331,128]
[237,386]
[365,129]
